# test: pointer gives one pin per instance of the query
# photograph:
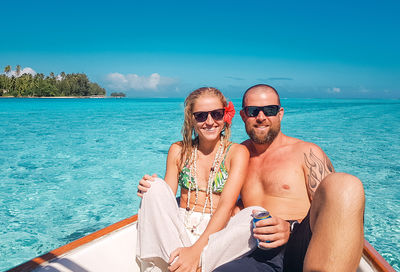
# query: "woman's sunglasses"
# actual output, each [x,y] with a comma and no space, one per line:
[253,111]
[202,116]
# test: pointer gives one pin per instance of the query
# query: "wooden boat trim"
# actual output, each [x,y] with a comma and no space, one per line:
[372,256]
[377,261]
[36,262]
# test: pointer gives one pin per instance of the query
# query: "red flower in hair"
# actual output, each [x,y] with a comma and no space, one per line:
[229,113]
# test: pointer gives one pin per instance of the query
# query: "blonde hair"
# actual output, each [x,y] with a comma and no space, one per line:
[189,141]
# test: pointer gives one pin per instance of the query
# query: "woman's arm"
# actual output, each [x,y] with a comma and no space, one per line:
[171,173]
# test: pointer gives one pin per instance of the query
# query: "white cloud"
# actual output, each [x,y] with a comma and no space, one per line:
[120,82]
[334,90]
[26,70]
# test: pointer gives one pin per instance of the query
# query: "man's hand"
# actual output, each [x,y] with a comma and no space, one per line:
[144,184]
[185,259]
[272,232]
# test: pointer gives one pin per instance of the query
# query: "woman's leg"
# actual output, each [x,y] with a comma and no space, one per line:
[160,229]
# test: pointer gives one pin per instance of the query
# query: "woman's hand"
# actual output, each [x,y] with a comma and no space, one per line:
[144,184]
[185,259]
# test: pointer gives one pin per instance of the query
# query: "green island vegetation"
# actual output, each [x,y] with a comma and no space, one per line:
[118,95]
[39,85]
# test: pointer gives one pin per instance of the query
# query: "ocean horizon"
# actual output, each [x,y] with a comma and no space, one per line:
[70,167]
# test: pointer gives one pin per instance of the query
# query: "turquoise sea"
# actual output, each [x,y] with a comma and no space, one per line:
[69,167]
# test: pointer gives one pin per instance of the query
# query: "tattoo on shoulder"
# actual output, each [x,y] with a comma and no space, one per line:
[318,169]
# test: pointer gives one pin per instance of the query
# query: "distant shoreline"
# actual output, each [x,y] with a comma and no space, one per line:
[57,97]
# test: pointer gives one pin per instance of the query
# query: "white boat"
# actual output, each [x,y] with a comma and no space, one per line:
[113,249]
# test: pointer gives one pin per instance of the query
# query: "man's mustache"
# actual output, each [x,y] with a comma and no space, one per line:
[261,122]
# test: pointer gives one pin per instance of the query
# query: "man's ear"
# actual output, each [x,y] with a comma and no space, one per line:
[243,115]
[281,113]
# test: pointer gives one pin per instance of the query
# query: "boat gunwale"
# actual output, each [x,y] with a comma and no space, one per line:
[58,252]
[376,259]
[373,257]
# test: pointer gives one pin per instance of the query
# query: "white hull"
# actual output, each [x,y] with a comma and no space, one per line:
[113,249]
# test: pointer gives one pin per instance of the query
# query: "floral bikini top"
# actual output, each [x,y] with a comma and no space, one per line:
[219,181]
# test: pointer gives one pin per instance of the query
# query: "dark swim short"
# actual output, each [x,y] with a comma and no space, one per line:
[296,247]
[270,260]
[288,259]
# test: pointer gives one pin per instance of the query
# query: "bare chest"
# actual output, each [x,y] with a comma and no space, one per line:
[279,177]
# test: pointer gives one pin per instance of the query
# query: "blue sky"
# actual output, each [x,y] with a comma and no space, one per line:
[343,49]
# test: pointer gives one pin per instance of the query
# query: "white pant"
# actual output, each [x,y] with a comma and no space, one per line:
[161,230]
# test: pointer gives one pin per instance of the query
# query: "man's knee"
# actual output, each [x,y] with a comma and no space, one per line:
[339,194]
[344,189]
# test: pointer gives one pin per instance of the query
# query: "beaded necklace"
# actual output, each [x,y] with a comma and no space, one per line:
[193,175]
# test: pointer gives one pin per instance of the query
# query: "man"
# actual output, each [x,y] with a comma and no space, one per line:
[295,180]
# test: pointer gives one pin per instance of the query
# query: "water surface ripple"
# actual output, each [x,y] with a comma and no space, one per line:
[69,167]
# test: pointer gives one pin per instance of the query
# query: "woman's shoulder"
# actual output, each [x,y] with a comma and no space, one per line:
[176,147]
[238,149]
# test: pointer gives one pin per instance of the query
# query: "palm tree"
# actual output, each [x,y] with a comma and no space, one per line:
[18,70]
[7,69]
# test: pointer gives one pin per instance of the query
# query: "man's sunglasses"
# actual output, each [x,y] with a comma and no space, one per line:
[253,111]
[202,116]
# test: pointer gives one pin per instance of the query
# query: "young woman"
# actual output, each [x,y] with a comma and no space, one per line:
[210,171]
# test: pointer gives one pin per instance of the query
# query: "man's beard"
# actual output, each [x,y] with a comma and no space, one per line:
[264,138]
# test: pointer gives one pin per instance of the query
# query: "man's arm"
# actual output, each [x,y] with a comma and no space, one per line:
[317,166]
